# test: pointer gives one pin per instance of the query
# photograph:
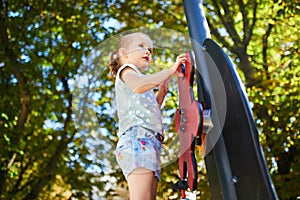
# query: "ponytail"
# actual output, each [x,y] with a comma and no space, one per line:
[114,62]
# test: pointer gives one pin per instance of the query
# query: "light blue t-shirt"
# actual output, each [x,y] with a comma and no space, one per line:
[136,109]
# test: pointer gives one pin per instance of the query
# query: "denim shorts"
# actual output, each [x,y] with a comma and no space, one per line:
[139,148]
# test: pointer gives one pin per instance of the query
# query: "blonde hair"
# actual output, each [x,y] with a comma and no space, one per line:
[124,41]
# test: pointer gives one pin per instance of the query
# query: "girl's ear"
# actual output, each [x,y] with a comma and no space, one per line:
[122,52]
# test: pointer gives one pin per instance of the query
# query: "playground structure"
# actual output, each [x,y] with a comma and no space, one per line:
[234,160]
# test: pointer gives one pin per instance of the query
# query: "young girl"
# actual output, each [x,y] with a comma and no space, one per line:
[140,125]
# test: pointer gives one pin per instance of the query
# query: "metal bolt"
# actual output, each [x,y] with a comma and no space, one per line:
[234,179]
[181,111]
[182,127]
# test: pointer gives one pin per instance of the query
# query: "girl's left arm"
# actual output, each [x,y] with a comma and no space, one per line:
[162,91]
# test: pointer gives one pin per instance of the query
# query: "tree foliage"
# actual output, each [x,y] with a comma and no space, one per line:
[263,40]
[47,45]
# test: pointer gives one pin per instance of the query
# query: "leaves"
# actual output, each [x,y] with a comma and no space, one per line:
[47,46]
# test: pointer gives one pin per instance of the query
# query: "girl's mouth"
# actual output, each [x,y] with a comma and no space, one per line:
[146,58]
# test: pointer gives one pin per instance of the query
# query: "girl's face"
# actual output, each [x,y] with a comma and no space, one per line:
[139,52]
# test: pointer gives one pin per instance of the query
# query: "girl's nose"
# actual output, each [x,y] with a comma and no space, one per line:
[149,51]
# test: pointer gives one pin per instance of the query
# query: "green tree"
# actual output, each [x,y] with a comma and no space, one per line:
[42,45]
[47,45]
[262,37]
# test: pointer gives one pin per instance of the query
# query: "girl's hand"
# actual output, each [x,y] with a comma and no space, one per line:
[181,59]
[163,86]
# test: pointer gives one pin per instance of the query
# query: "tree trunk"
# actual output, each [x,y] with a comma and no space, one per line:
[24,97]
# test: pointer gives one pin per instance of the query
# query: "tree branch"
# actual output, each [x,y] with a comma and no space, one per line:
[11,57]
[249,34]
[265,46]
[245,19]
[240,46]
[227,21]
[52,164]
[220,38]
[17,187]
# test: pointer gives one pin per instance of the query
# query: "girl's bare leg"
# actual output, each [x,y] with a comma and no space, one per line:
[142,184]
[154,188]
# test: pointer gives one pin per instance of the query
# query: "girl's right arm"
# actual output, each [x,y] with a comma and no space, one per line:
[140,83]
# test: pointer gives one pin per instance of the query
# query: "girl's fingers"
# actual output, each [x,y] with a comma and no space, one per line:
[181,57]
[178,74]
